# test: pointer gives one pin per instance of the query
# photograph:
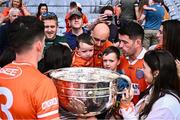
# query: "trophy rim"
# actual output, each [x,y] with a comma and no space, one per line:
[52,73]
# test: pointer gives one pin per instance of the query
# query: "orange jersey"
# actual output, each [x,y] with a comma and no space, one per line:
[68,28]
[135,73]
[78,61]
[67,22]
[155,47]
[25,93]
[98,54]
[5,12]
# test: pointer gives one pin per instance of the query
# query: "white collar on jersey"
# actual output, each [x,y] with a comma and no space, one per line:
[19,63]
[139,57]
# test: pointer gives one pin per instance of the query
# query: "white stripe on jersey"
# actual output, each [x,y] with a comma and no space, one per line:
[48,114]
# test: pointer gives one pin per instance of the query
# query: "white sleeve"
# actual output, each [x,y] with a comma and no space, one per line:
[166,107]
[129,113]
[163,113]
[160,114]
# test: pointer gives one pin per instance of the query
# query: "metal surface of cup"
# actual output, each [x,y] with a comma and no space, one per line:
[85,91]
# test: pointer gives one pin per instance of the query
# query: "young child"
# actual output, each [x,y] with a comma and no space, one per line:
[111,59]
[83,54]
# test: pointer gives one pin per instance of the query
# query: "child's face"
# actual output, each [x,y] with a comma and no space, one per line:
[110,61]
[85,51]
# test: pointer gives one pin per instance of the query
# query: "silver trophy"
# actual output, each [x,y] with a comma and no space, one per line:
[86,91]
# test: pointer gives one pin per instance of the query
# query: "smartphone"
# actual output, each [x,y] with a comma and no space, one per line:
[109,18]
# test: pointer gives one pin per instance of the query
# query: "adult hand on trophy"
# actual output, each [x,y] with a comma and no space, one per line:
[126,106]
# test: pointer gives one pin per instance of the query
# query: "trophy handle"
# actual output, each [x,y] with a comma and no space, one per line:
[124,77]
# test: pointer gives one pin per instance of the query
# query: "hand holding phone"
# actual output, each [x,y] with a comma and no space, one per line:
[109,18]
[102,18]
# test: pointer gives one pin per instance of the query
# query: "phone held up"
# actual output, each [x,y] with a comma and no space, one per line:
[109,18]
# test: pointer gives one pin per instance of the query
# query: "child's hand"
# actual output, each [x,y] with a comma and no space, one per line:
[127,96]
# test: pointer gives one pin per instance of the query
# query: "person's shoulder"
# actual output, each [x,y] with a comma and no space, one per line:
[123,62]
[61,38]
[39,79]
[26,71]
[78,61]
[29,70]
[67,15]
[68,34]
[45,80]
[156,6]
[168,101]
[4,27]
[152,47]
[168,104]
[108,43]
[5,11]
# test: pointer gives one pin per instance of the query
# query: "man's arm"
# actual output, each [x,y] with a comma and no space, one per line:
[46,100]
[142,17]
[25,10]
